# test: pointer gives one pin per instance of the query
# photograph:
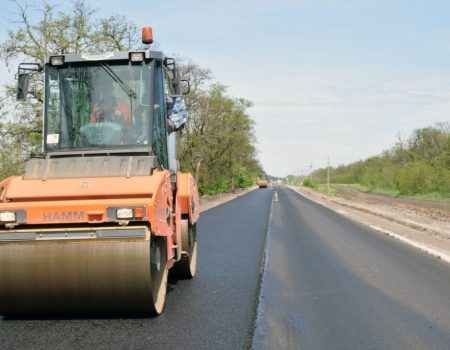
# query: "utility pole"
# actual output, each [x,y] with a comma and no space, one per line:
[328,173]
[310,171]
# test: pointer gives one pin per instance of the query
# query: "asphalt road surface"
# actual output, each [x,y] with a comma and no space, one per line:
[215,310]
[331,283]
[328,283]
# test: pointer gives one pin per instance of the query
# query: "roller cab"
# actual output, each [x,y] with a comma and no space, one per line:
[97,220]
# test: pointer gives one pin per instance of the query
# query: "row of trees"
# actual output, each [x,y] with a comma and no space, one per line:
[217,144]
[416,165]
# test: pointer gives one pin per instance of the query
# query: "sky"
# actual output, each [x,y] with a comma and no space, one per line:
[342,79]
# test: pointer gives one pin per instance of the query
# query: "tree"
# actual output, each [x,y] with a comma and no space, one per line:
[218,144]
[53,32]
[419,164]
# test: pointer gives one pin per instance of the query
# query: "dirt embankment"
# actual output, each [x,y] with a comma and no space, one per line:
[422,224]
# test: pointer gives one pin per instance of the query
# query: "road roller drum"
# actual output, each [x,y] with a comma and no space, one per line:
[103,271]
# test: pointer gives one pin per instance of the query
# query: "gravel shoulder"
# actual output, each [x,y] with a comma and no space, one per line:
[414,223]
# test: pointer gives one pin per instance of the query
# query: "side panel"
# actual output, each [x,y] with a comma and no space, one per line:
[160,214]
[188,197]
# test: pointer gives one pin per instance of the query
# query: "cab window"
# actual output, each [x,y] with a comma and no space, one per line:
[159,138]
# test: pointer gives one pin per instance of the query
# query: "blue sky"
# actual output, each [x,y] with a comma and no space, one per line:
[327,77]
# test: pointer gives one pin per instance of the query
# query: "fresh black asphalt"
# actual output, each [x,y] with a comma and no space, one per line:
[215,310]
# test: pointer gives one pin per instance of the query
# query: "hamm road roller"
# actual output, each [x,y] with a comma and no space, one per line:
[97,220]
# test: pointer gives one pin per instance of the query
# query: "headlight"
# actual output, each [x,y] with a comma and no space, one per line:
[132,213]
[8,216]
[124,213]
[57,60]
[136,56]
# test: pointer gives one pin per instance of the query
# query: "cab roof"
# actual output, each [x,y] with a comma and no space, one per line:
[106,56]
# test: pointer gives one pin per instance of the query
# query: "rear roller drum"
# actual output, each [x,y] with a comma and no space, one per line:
[158,270]
[187,266]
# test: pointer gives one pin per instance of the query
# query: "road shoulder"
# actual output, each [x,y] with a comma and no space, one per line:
[431,237]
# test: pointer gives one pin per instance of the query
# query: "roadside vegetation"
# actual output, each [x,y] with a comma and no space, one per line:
[308,182]
[217,145]
[417,167]
[218,142]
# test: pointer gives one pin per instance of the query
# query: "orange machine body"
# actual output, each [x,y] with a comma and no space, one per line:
[92,202]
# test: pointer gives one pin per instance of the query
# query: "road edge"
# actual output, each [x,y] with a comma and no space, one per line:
[257,333]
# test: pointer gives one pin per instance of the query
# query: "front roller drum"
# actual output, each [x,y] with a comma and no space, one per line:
[89,276]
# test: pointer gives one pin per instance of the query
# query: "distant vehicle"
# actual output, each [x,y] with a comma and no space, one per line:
[262,181]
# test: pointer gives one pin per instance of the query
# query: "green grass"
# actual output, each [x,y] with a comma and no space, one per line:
[323,188]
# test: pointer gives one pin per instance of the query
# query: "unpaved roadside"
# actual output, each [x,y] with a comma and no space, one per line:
[427,229]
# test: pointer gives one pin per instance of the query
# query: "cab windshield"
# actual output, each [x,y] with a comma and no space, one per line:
[97,105]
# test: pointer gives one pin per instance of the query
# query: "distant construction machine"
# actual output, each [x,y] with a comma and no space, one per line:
[262,181]
[100,216]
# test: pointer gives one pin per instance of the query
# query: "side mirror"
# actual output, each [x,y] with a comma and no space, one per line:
[185,86]
[22,86]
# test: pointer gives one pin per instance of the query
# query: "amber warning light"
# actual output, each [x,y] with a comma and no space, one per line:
[147,35]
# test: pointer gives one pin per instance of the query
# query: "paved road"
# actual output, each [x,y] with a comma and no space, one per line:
[328,283]
[216,310]
[331,283]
